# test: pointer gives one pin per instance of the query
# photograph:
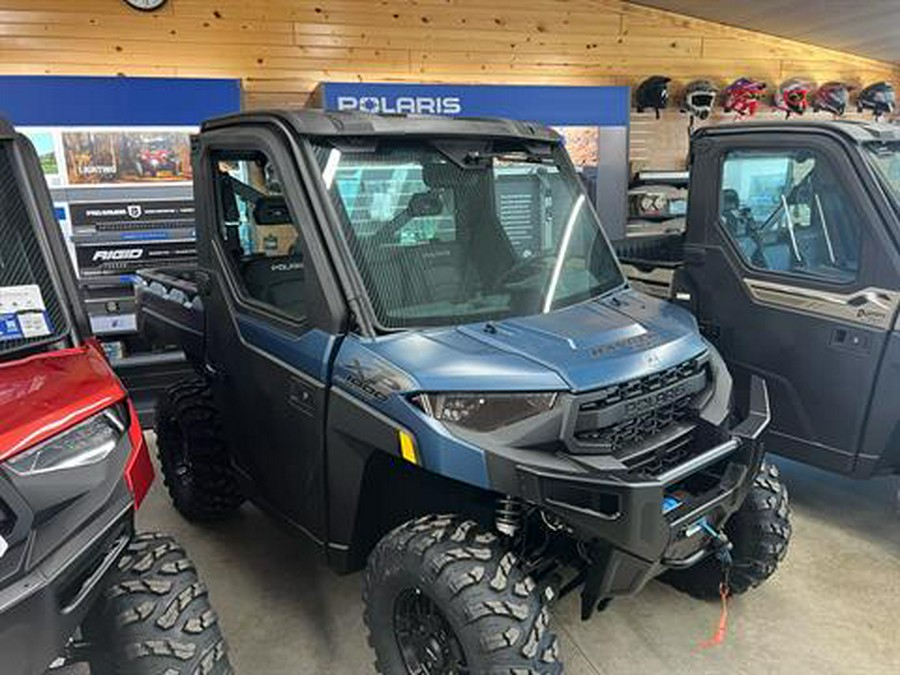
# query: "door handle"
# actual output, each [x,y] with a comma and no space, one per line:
[301,396]
[850,340]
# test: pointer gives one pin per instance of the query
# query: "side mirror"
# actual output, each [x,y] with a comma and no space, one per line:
[424,204]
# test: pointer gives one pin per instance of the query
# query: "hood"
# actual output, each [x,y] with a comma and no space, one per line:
[579,348]
[45,394]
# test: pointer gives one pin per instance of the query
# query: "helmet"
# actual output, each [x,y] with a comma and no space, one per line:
[653,93]
[792,96]
[699,98]
[743,95]
[832,97]
[878,97]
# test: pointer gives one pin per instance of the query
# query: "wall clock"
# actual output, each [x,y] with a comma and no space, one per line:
[146,5]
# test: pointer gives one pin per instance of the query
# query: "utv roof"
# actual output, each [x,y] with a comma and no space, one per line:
[324,123]
[857,131]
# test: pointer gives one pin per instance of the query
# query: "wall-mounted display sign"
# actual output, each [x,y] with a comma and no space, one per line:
[127,156]
[554,105]
[138,218]
[102,156]
[116,154]
[592,120]
[47,144]
[118,237]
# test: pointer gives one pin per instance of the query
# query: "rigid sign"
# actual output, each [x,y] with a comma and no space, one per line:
[118,257]
[572,106]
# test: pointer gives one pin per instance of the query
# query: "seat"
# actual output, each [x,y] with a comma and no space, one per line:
[443,268]
[271,210]
[277,281]
[737,225]
[778,256]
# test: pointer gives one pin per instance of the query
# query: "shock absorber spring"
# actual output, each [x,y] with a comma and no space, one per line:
[509,515]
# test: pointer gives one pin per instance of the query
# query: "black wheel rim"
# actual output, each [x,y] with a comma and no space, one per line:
[427,642]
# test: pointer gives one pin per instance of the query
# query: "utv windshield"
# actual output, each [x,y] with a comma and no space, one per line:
[30,311]
[458,232]
[885,157]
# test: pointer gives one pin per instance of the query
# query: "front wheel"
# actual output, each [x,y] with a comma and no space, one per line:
[155,618]
[760,531]
[445,597]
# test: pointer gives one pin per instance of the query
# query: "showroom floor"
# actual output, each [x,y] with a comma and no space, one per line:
[833,607]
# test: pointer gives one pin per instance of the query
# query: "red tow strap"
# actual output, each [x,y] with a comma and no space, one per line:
[719,636]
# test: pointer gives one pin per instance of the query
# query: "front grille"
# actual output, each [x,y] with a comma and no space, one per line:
[635,430]
[659,460]
[643,385]
[629,413]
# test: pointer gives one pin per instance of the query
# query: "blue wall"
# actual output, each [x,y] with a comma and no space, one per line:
[115,101]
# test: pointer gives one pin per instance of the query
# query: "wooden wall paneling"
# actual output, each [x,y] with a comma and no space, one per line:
[281,49]
[663,143]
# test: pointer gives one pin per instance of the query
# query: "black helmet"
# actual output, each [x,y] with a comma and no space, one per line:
[878,97]
[699,98]
[653,93]
[832,97]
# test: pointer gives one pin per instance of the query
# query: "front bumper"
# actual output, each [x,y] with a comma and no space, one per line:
[633,531]
[69,529]
[42,610]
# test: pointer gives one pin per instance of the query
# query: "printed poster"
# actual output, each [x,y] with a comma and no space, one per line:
[100,157]
[46,144]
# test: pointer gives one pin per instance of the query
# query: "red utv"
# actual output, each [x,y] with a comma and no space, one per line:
[76,583]
[156,159]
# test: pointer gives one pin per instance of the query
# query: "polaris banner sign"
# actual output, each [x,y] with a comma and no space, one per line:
[555,105]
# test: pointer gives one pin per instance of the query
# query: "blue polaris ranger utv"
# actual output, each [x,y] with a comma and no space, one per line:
[414,344]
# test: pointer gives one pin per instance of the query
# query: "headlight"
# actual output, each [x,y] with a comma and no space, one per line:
[484,412]
[87,443]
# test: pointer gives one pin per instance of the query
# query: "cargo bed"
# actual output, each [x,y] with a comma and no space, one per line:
[170,309]
[650,262]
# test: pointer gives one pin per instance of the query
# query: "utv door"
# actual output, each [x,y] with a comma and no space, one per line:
[270,331]
[785,259]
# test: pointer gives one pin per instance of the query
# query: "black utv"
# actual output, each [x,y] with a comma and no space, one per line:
[790,261]
[415,345]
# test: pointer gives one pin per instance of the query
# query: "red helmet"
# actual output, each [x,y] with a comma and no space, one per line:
[793,96]
[743,95]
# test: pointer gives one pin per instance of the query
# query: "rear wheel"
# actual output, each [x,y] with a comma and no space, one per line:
[155,618]
[444,597]
[193,455]
[760,531]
